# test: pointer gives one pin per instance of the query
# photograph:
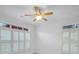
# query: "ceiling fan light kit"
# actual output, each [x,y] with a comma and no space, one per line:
[38,17]
[39,14]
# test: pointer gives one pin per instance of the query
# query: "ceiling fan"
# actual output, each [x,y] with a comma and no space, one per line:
[39,14]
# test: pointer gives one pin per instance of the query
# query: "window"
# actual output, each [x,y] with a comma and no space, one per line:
[66,42]
[15,41]
[12,41]
[71,41]
[21,41]
[5,41]
[27,40]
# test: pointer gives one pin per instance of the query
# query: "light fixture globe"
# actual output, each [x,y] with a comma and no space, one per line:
[38,17]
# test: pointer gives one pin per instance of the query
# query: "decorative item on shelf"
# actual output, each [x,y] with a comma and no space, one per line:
[67,26]
[20,28]
[25,29]
[7,25]
[74,26]
[13,27]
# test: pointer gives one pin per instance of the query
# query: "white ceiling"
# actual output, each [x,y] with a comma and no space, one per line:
[61,12]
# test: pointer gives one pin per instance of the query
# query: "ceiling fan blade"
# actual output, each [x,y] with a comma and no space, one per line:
[34,20]
[28,15]
[44,19]
[37,10]
[48,13]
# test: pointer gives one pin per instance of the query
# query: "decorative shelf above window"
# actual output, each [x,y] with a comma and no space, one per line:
[12,26]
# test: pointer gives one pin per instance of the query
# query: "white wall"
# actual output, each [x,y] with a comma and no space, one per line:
[50,36]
